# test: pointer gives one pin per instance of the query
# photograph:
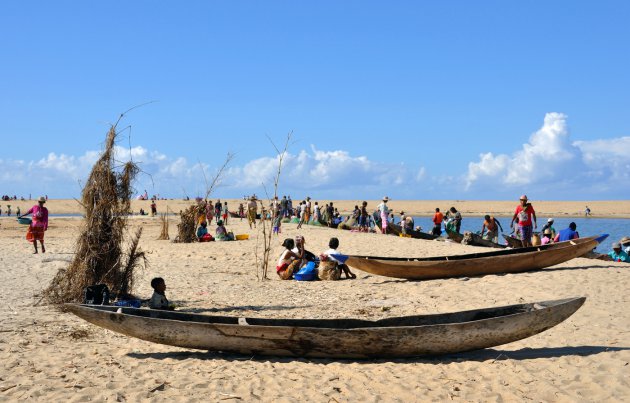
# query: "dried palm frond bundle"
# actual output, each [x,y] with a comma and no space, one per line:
[100,255]
[187,227]
[164,223]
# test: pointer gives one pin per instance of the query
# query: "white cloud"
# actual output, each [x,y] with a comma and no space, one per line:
[547,150]
[607,160]
[321,173]
[550,162]
[324,172]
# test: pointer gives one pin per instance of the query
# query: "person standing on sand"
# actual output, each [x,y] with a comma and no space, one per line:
[302,214]
[308,211]
[437,222]
[241,211]
[289,207]
[225,213]
[525,216]
[363,218]
[252,208]
[217,210]
[39,224]
[153,209]
[384,212]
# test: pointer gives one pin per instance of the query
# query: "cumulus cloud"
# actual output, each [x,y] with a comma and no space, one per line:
[547,149]
[326,173]
[550,161]
[608,164]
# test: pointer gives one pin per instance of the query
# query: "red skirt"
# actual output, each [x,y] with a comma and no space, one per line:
[35,234]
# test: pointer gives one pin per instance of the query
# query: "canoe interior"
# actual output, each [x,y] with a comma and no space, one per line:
[405,321]
[502,252]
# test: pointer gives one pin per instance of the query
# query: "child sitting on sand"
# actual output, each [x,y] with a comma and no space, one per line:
[333,244]
[158,299]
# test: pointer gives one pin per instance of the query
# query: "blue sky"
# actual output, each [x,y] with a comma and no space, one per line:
[417,100]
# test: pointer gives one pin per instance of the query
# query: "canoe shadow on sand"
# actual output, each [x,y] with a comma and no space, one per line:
[489,354]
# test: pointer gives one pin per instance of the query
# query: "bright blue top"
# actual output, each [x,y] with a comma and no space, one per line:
[622,256]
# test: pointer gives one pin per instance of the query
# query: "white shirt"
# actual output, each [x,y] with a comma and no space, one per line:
[383,208]
[330,252]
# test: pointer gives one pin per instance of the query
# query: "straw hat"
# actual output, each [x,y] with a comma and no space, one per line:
[625,240]
[385,198]
[616,245]
[550,220]
[42,199]
[523,197]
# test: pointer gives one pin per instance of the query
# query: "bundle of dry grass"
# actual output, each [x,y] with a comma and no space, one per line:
[164,232]
[100,256]
[187,227]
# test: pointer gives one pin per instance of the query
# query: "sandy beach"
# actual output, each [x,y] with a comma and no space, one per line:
[51,356]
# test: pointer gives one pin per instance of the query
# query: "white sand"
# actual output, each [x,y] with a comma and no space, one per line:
[47,355]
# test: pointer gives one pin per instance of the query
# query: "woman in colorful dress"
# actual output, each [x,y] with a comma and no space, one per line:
[39,224]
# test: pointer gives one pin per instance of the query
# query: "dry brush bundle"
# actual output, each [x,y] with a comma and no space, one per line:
[100,256]
[164,224]
[187,227]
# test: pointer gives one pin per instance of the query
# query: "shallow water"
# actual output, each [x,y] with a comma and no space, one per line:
[617,228]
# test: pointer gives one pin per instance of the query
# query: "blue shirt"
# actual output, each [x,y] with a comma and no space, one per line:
[620,257]
[567,234]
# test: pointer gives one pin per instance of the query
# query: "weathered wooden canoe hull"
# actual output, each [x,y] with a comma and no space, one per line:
[336,338]
[503,261]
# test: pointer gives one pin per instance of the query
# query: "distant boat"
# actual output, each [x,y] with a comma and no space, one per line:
[474,264]
[405,336]
[513,242]
[395,229]
[477,240]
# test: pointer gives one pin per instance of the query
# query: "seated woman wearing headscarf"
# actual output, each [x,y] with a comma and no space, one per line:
[222,234]
[202,233]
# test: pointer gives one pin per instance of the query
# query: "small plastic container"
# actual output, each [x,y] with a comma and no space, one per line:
[242,237]
[24,220]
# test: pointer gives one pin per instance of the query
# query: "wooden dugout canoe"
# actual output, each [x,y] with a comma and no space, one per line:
[406,336]
[475,264]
